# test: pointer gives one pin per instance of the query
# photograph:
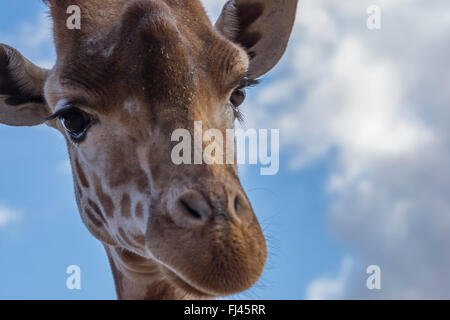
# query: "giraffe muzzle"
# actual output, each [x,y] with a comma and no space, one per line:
[211,240]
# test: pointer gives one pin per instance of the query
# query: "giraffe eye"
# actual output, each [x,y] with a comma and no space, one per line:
[238,97]
[75,122]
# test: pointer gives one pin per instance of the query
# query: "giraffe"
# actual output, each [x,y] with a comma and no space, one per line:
[133,73]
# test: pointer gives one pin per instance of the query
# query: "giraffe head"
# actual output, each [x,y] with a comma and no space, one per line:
[132,74]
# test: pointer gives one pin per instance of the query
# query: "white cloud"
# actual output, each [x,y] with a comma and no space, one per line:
[378,102]
[331,288]
[377,99]
[353,97]
[8,216]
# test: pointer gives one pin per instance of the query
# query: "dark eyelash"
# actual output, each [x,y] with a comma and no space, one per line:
[248,83]
[245,83]
[60,113]
[64,110]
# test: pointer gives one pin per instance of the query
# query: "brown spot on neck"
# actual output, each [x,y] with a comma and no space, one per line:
[81,175]
[105,200]
[96,209]
[139,239]
[125,205]
[93,218]
[139,210]
[125,239]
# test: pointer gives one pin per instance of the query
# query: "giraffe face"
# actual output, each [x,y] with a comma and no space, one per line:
[117,99]
[136,72]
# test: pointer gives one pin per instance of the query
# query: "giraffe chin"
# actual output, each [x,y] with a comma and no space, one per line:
[214,260]
[184,286]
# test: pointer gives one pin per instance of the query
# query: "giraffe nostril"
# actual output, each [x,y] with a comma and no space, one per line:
[237,205]
[190,210]
[193,212]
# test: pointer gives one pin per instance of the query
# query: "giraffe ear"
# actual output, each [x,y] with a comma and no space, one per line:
[22,100]
[262,27]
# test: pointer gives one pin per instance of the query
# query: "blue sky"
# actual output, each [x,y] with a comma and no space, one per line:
[356,109]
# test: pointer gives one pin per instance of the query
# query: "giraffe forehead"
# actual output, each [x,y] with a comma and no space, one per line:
[173,77]
[130,32]
[150,49]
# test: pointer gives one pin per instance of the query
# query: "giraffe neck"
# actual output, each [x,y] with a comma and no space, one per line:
[137,278]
